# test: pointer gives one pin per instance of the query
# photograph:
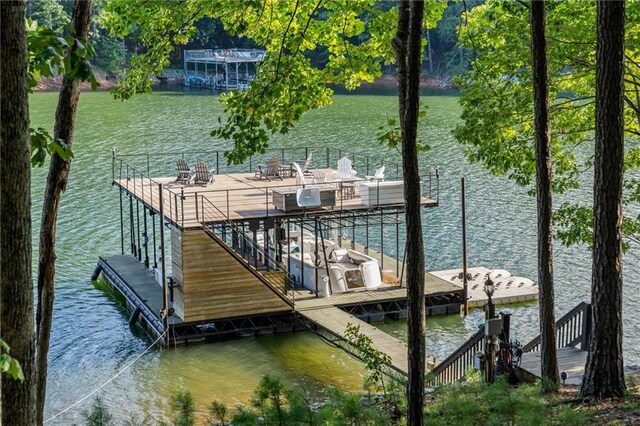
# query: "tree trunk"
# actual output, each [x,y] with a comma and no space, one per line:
[604,375]
[16,285]
[56,184]
[549,359]
[408,46]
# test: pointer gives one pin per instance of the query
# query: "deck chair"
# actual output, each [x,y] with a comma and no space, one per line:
[203,174]
[345,170]
[309,196]
[272,169]
[307,163]
[318,176]
[184,173]
[378,175]
[300,180]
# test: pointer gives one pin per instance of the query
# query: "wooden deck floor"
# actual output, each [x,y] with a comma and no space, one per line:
[434,286]
[141,281]
[235,196]
[570,360]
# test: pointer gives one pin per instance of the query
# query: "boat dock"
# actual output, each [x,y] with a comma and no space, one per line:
[251,249]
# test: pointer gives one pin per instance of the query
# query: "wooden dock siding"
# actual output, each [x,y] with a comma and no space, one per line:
[212,284]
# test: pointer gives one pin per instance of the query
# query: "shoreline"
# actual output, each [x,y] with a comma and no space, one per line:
[109,81]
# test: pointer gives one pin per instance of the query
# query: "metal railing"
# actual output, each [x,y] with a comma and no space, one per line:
[572,329]
[163,163]
[146,189]
[255,257]
[136,180]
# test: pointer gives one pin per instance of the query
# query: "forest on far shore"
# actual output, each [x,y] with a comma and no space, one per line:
[444,57]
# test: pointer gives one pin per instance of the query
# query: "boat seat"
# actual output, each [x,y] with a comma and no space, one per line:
[308,197]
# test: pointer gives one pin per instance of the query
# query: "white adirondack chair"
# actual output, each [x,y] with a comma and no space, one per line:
[345,171]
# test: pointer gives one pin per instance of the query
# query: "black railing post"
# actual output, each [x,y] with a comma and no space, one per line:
[217,162]
[368,165]
[328,157]
[113,164]
[196,201]
[586,327]
[121,224]
[181,216]
[506,325]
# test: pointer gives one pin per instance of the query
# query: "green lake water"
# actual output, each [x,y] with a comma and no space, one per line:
[91,338]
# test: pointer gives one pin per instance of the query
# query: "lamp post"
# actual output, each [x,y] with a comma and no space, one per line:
[489,289]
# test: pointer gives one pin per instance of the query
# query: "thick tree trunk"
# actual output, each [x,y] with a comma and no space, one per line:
[408,45]
[16,285]
[604,375]
[56,184]
[549,359]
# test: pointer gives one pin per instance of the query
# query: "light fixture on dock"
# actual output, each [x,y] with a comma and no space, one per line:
[492,329]
[489,288]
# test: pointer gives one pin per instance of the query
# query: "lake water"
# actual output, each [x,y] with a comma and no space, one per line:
[91,338]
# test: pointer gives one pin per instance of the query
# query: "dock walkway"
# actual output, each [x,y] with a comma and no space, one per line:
[335,321]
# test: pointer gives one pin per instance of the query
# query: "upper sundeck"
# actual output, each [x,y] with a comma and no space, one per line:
[243,193]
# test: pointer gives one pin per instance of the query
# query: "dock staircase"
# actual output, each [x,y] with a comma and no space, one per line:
[572,335]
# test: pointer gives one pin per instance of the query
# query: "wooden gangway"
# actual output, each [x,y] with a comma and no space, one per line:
[335,321]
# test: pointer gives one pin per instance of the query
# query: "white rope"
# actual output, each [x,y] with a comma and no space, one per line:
[108,381]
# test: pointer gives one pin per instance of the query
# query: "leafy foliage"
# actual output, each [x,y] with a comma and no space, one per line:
[98,415]
[497,100]
[42,144]
[288,83]
[9,365]
[374,360]
[51,54]
[475,402]
[218,410]
[183,408]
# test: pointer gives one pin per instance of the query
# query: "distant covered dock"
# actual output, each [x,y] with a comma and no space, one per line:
[223,69]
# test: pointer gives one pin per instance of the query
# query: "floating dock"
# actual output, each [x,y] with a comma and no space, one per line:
[509,289]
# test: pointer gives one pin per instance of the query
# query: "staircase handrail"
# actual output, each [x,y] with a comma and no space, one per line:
[453,368]
[574,327]
[207,210]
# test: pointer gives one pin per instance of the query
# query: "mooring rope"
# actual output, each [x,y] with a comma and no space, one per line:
[108,381]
